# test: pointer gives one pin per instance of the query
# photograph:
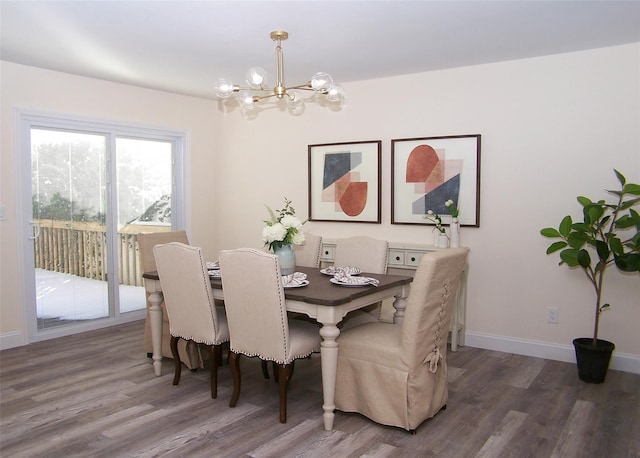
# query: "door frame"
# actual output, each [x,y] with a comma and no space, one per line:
[25,120]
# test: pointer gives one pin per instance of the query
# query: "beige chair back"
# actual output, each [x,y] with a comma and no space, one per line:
[367,253]
[187,293]
[429,306]
[254,300]
[146,242]
[308,254]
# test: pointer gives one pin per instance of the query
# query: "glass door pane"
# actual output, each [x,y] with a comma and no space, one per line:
[69,210]
[144,187]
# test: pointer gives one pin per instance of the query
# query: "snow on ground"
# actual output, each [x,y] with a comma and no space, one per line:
[69,297]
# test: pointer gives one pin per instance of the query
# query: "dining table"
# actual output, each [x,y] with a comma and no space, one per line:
[326,302]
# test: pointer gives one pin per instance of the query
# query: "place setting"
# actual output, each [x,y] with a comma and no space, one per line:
[295,280]
[214,269]
[348,276]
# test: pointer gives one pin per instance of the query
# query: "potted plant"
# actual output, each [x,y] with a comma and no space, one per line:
[609,234]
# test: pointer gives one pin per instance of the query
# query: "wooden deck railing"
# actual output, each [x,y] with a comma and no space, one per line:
[80,249]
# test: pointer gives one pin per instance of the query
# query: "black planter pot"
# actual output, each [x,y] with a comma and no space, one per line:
[593,362]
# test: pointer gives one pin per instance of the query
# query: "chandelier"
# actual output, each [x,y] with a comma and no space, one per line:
[321,84]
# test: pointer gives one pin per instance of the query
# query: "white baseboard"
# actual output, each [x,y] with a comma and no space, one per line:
[12,340]
[625,362]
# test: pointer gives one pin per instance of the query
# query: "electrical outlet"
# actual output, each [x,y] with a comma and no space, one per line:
[553,315]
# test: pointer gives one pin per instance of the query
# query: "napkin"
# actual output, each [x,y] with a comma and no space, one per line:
[295,279]
[348,270]
[213,265]
[347,279]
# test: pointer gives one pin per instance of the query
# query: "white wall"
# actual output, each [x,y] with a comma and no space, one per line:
[552,128]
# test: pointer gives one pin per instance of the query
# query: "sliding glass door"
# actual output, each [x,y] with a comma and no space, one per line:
[92,189]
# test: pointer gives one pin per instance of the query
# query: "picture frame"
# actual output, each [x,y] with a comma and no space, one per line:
[426,172]
[345,182]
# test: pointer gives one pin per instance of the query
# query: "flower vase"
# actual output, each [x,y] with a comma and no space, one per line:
[454,233]
[287,259]
[443,240]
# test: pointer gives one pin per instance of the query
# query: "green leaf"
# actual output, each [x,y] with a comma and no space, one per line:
[584,201]
[616,245]
[629,262]
[565,225]
[577,239]
[624,222]
[604,306]
[580,227]
[620,177]
[570,256]
[550,232]
[629,203]
[593,212]
[556,246]
[632,188]
[583,259]
[602,248]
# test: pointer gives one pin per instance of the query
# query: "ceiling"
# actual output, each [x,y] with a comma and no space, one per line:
[185,46]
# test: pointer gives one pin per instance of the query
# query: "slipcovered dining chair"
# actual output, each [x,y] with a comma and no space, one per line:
[397,374]
[308,254]
[188,297]
[370,255]
[257,317]
[189,352]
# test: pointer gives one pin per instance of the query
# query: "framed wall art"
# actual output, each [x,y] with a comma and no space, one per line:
[426,172]
[344,182]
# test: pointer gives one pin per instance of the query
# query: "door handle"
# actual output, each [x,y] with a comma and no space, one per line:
[35,230]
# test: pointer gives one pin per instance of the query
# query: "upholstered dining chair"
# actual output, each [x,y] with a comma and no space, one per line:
[257,317]
[397,374]
[188,298]
[370,255]
[189,352]
[308,254]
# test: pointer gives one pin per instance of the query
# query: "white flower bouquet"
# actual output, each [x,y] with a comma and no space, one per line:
[282,228]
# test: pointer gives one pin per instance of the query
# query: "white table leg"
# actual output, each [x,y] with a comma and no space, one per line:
[155,317]
[329,361]
[400,304]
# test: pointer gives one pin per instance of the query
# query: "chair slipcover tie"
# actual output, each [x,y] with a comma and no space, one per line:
[435,356]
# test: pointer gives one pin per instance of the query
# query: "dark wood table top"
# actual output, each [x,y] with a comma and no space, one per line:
[321,291]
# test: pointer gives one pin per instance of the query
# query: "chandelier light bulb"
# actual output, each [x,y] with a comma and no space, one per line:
[246,100]
[224,88]
[335,94]
[294,99]
[321,82]
[256,77]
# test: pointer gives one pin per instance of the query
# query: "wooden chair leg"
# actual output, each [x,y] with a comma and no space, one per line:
[176,358]
[214,354]
[283,369]
[265,370]
[275,371]
[234,363]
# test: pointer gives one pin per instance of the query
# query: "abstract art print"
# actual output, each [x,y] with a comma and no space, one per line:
[344,182]
[427,172]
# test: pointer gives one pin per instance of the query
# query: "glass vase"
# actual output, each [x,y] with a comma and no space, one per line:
[454,233]
[287,259]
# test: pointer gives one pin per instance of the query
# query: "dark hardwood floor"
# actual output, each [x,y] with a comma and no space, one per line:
[95,395]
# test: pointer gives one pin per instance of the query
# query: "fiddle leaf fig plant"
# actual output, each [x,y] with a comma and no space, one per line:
[608,234]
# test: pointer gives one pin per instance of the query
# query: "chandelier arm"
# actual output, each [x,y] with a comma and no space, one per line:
[303,87]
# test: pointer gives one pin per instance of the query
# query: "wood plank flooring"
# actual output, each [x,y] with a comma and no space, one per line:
[95,395]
